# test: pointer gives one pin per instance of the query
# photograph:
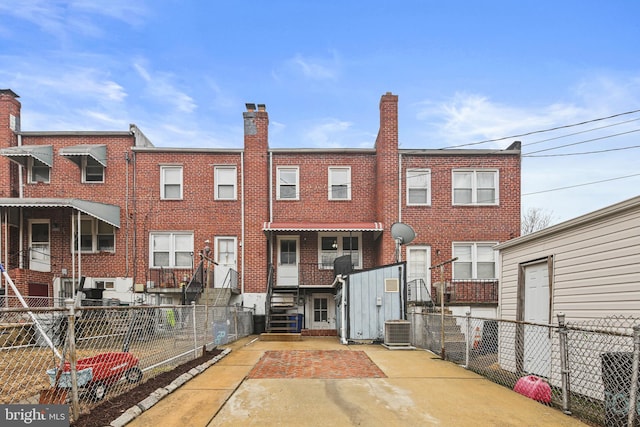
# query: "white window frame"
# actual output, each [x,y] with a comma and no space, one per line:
[85,166]
[281,183]
[420,180]
[164,181]
[326,257]
[94,225]
[333,180]
[474,259]
[474,187]
[33,164]
[220,178]
[171,248]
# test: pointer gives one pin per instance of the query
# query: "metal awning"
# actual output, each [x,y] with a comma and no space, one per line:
[20,154]
[102,211]
[323,226]
[76,153]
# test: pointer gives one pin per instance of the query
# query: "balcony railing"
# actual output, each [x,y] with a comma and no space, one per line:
[168,277]
[470,291]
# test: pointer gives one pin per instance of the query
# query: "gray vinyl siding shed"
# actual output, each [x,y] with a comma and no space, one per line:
[593,264]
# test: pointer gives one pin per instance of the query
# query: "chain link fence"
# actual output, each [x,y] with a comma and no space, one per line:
[588,369]
[112,348]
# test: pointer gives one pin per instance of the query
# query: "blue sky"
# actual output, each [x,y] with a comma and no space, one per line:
[464,71]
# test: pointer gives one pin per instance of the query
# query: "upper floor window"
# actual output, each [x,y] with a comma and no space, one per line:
[225,182]
[171,182]
[475,187]
[92,170]
[338,244]
[287,183]
[37,171]
[171,250]
[340,183]
[418,187]
[475,260]
[95,236]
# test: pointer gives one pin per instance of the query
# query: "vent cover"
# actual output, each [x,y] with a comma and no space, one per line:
[397,332]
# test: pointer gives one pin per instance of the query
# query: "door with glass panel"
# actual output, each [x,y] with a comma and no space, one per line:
[288,260]
[39,245]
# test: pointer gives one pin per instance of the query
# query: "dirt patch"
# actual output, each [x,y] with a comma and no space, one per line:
[112,408]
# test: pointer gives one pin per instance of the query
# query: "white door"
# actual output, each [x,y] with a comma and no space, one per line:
[537,343]
[323,311]
[225,256]
[418,263]
[288,259]
[39,245]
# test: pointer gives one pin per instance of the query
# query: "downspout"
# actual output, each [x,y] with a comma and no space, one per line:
[21,194]
[126,215]
[270,235]
[343,311]
[242,222]
[400,188]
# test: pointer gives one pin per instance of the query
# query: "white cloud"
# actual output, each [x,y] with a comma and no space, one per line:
[311,68]
[159,86]
[330,133]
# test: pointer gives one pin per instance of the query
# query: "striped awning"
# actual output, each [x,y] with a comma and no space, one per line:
[102,211]
[20,154]
[323,226]
[76,153]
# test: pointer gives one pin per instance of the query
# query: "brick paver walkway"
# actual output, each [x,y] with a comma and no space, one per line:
[319,364]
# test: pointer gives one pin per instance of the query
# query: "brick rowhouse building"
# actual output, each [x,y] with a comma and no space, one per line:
[171,225]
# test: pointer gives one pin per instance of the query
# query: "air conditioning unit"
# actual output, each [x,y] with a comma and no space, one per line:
[397,332]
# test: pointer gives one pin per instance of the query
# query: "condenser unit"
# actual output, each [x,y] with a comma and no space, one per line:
[397,332]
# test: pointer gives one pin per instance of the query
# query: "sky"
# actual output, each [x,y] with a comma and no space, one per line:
[562,77]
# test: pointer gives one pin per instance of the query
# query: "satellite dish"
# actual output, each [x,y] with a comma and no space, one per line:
[402,233]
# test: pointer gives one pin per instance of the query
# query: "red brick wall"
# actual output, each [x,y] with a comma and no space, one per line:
[9,105]
[256,161]
[197,212]
[442,223]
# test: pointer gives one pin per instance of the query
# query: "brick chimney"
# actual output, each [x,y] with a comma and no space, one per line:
[256,196]
[387,174]
[9,125]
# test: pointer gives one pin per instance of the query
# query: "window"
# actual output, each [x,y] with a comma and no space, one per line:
[104,283]
[475,187]
[335,245]
[340,183]
[288,252]
[92,170]
[287,183]
[225,182]
[171,182]
[95,236]
[475,261]
[37,171]
[171,250]
[418,187]
[320,310]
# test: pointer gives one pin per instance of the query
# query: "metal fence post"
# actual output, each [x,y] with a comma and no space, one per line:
[633,392]
[467,346]
[73,357]
[564,362]
[195,330]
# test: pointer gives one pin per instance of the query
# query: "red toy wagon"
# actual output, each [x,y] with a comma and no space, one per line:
[99,372]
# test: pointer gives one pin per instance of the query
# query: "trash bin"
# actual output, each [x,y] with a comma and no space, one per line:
[616,377]
[300,323]
[296,321]
[258,324]
[220,333]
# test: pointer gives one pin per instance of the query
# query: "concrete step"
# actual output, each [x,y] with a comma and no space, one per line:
[274,336]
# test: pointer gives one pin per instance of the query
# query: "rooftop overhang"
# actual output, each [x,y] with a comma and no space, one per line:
[20,154]
[76,153]
[323,226]
[102,211]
